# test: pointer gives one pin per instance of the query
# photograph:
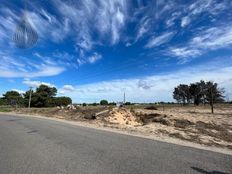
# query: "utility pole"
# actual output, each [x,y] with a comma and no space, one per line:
[124,98]
[29,103]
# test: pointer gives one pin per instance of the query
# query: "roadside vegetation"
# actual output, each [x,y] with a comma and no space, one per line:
[43,96]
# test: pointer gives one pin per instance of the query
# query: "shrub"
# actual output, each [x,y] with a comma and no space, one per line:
[103,102]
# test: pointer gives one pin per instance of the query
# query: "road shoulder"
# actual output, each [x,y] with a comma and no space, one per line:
[126,132]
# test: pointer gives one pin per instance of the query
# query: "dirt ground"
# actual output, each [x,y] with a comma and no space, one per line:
[189,123]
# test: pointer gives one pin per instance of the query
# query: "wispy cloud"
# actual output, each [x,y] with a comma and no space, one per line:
[105,17]
[156,41]
[210,39]
[32,83]
[11,67]
[66,89]
[184,52]
[185,21]
[214,38]
[91,59]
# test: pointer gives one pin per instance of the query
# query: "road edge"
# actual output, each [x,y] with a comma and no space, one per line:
[125,132]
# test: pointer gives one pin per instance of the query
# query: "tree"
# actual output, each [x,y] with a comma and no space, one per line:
[112,104]
[13,98]
[199,92]
[203,88]
[41,97]
[181,94]
[2,101]
[26,98]
[59,101]
[43,94]
[128,103]
[213,94]
[103,102]
[195,93]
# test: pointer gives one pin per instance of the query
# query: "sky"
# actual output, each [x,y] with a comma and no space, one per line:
[92,50]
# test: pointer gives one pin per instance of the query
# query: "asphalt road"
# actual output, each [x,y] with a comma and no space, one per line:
[41,146]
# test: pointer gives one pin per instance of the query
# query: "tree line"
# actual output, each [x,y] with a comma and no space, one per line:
[199,93]
[42,96]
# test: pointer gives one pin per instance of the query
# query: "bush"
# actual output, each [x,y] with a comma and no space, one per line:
[112,104]
[3,102]
[60,101]
[103,102]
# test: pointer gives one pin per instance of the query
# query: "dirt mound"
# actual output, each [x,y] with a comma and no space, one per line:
[123,116]
[154,118]
[151,108]
[183,123]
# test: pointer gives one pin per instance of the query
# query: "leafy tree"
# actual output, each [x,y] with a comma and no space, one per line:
[41,97]
[26,98]
[3,101]
[94,104]
[43,94]
[213,94]
[181,94]
[112,103]
[60,101]
[200,92]
[195,93]
[203,88]
[103,102]
[13,98]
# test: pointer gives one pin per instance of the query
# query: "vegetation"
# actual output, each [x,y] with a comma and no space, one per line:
[199,93]
[12,98]
[103,102]
[43,96]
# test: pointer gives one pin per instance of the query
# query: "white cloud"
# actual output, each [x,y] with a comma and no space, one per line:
[91,59]
[107,18]
[210,6]
[210,39]
[32,83]
[214,38]
[48,27]
[12,67]
[184,52]
[156,41]
[19,91]
[66,89]
[94,58]
[144,27]
[153,88]
[185,21]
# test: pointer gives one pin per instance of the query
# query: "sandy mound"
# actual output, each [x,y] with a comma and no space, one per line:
[123,116]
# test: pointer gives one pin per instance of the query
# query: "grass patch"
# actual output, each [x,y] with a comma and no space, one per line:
[5,110]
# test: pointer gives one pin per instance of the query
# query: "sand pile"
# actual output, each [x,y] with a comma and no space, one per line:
[123,116]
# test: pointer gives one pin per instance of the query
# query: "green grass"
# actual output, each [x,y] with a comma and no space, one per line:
[5,109]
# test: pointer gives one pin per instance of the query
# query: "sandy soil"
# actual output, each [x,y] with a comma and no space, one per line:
[192,124]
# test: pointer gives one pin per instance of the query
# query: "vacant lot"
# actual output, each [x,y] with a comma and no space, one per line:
[189,123]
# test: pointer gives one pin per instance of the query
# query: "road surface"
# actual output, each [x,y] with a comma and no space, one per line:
[40,146]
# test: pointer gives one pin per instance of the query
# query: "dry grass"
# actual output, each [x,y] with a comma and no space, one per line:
[195,124]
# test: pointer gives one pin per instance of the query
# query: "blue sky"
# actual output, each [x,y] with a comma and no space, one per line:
[93,50]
